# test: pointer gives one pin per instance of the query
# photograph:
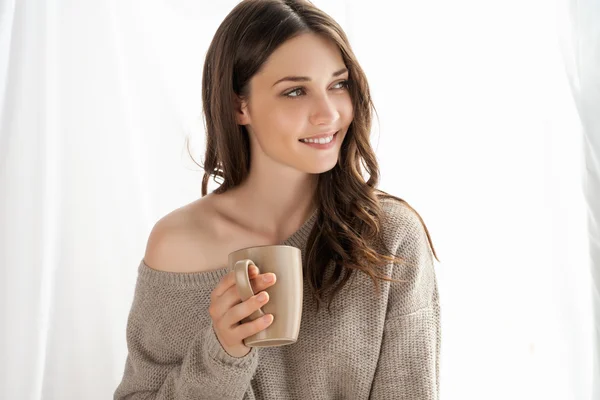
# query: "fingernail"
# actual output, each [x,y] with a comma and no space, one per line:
[262,296]
[268,278]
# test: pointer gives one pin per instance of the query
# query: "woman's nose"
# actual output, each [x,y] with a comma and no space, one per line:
[324,112]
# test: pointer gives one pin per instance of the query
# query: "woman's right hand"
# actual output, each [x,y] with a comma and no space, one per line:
[227,311]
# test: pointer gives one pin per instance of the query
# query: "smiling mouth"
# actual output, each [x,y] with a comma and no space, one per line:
[322,140]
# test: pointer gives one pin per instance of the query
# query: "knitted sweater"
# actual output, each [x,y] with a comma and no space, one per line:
[367,347]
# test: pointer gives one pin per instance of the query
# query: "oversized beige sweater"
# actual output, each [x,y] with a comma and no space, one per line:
[368,347]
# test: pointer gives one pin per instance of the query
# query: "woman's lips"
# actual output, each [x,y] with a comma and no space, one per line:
[322,146]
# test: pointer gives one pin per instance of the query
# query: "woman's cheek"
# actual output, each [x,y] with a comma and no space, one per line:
[345,107]
[289,115]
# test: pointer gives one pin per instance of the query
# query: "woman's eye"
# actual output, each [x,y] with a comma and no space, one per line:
[293,91]
[344,85]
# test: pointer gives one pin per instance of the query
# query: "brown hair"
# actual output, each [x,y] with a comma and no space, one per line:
[348,223]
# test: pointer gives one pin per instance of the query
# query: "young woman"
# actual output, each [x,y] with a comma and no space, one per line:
[288,117]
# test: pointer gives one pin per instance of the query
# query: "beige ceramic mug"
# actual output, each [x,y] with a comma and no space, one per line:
[285,296]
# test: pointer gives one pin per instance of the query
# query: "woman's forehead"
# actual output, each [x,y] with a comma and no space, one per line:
[308,55]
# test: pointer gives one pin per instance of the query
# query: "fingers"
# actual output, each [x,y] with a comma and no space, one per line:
[229,280]
[251,328]
[227,310]
[231,297]
[240,311]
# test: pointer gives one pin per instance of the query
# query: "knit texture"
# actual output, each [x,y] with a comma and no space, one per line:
[367,347]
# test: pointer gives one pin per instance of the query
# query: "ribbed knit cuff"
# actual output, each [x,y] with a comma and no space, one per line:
[218,354]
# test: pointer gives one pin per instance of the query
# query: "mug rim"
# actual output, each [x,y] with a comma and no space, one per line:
[264,245]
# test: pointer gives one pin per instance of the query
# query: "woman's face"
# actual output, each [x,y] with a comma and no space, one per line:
[300,92]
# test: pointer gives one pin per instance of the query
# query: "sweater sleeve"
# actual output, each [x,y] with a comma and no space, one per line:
[408,365]
[173,351]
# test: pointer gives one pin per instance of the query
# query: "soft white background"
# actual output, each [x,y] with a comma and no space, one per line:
[488,125]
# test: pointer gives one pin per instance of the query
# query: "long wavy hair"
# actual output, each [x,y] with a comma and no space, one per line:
[348,225]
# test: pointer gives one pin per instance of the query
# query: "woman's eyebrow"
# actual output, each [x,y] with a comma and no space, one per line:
[306,78]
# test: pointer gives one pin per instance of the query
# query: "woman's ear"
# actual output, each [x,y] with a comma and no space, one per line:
[242,116]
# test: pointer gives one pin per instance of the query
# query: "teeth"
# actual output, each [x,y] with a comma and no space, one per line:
[323,140]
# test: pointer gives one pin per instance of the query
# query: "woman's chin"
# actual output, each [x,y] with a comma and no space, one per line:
[319,168]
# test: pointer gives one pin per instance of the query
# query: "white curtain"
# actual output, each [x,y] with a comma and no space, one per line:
[488,125]
[581,48]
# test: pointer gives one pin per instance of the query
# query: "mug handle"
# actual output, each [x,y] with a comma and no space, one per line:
[242,280]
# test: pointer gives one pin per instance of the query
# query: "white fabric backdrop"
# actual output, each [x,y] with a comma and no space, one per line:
[581,47]
[478,130]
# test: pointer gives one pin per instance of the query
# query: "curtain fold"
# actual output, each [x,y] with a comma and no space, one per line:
[581,49]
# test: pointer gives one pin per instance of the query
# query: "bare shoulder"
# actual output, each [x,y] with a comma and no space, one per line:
[184,240]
